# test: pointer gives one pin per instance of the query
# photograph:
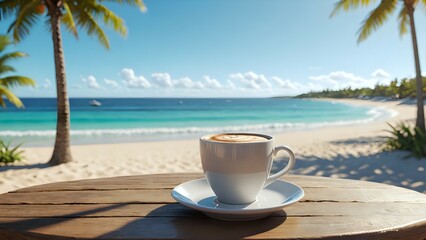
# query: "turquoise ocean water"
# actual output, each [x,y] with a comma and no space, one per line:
[139,119]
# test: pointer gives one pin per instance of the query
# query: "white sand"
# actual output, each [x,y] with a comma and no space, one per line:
[344,152]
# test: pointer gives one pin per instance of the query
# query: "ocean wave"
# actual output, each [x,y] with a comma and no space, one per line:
[374,114]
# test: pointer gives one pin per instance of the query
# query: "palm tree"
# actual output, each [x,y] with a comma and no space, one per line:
[83,14]
[10,81]
[376,18]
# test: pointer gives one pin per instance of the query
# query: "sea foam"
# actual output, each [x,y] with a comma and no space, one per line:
[374,114]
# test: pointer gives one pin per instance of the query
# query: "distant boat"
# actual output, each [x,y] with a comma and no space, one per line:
[95,103]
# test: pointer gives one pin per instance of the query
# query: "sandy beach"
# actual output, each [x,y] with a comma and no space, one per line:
[351,151]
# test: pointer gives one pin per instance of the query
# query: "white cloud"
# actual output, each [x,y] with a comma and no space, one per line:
[163,80]
[231,85]
[284,83]
[186,82]
[133,81]
[251,80]
[339,76]
[198,85]
[183,83]
[380,73]
[211,83]
[237,84]
[91,82]
[313,86]
[47,83]
[341,79]
[111,83]
[236,81]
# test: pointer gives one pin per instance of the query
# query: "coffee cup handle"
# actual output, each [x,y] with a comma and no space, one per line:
[290,165]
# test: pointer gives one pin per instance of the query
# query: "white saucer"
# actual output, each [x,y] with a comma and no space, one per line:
[198,195]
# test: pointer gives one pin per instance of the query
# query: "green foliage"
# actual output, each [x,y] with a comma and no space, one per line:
[88,16]
[379,15]
[405,137]
[10,154]
[6,82]
[402,89]
[376,18]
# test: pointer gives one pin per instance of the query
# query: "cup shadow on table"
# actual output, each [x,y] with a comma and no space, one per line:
[24,227]
[168,221]
[178,221]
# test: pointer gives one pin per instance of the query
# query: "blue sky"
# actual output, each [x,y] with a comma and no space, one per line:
[221,48]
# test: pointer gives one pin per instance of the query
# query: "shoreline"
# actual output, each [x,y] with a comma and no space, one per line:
[347,151]
[45,138]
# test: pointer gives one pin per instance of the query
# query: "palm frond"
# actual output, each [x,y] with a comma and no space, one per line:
[8,8]
[346,5]
[10,96]
[11,56]
[424,3]
[135,3]
[4,42]
[68,20]
[2,102]
[89,24]
[109,18]
[47,25]
[376,18]
[12,81]
[404,21]
[6,68]
[26,16]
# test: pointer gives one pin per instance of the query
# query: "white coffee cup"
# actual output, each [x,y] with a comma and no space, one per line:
[238,169]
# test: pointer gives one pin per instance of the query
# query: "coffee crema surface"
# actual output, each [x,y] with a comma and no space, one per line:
[238,138]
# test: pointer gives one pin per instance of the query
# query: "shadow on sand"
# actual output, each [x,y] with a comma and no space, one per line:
[20,167]
[385,167]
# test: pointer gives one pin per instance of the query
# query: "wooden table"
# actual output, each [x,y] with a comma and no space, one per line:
[138,207]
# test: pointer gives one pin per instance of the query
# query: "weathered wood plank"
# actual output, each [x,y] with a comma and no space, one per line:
[88,197]
[125,182]
[363,195]
[134,207]
[375,227]
[97,210]
[163,196]
[302,209]
[18,235]
[168,181]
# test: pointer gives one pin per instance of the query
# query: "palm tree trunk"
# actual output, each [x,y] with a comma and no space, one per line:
[61,152]
[420,121]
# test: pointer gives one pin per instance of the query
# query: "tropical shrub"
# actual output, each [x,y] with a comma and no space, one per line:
[397,88]
[405,137]
[10,154]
